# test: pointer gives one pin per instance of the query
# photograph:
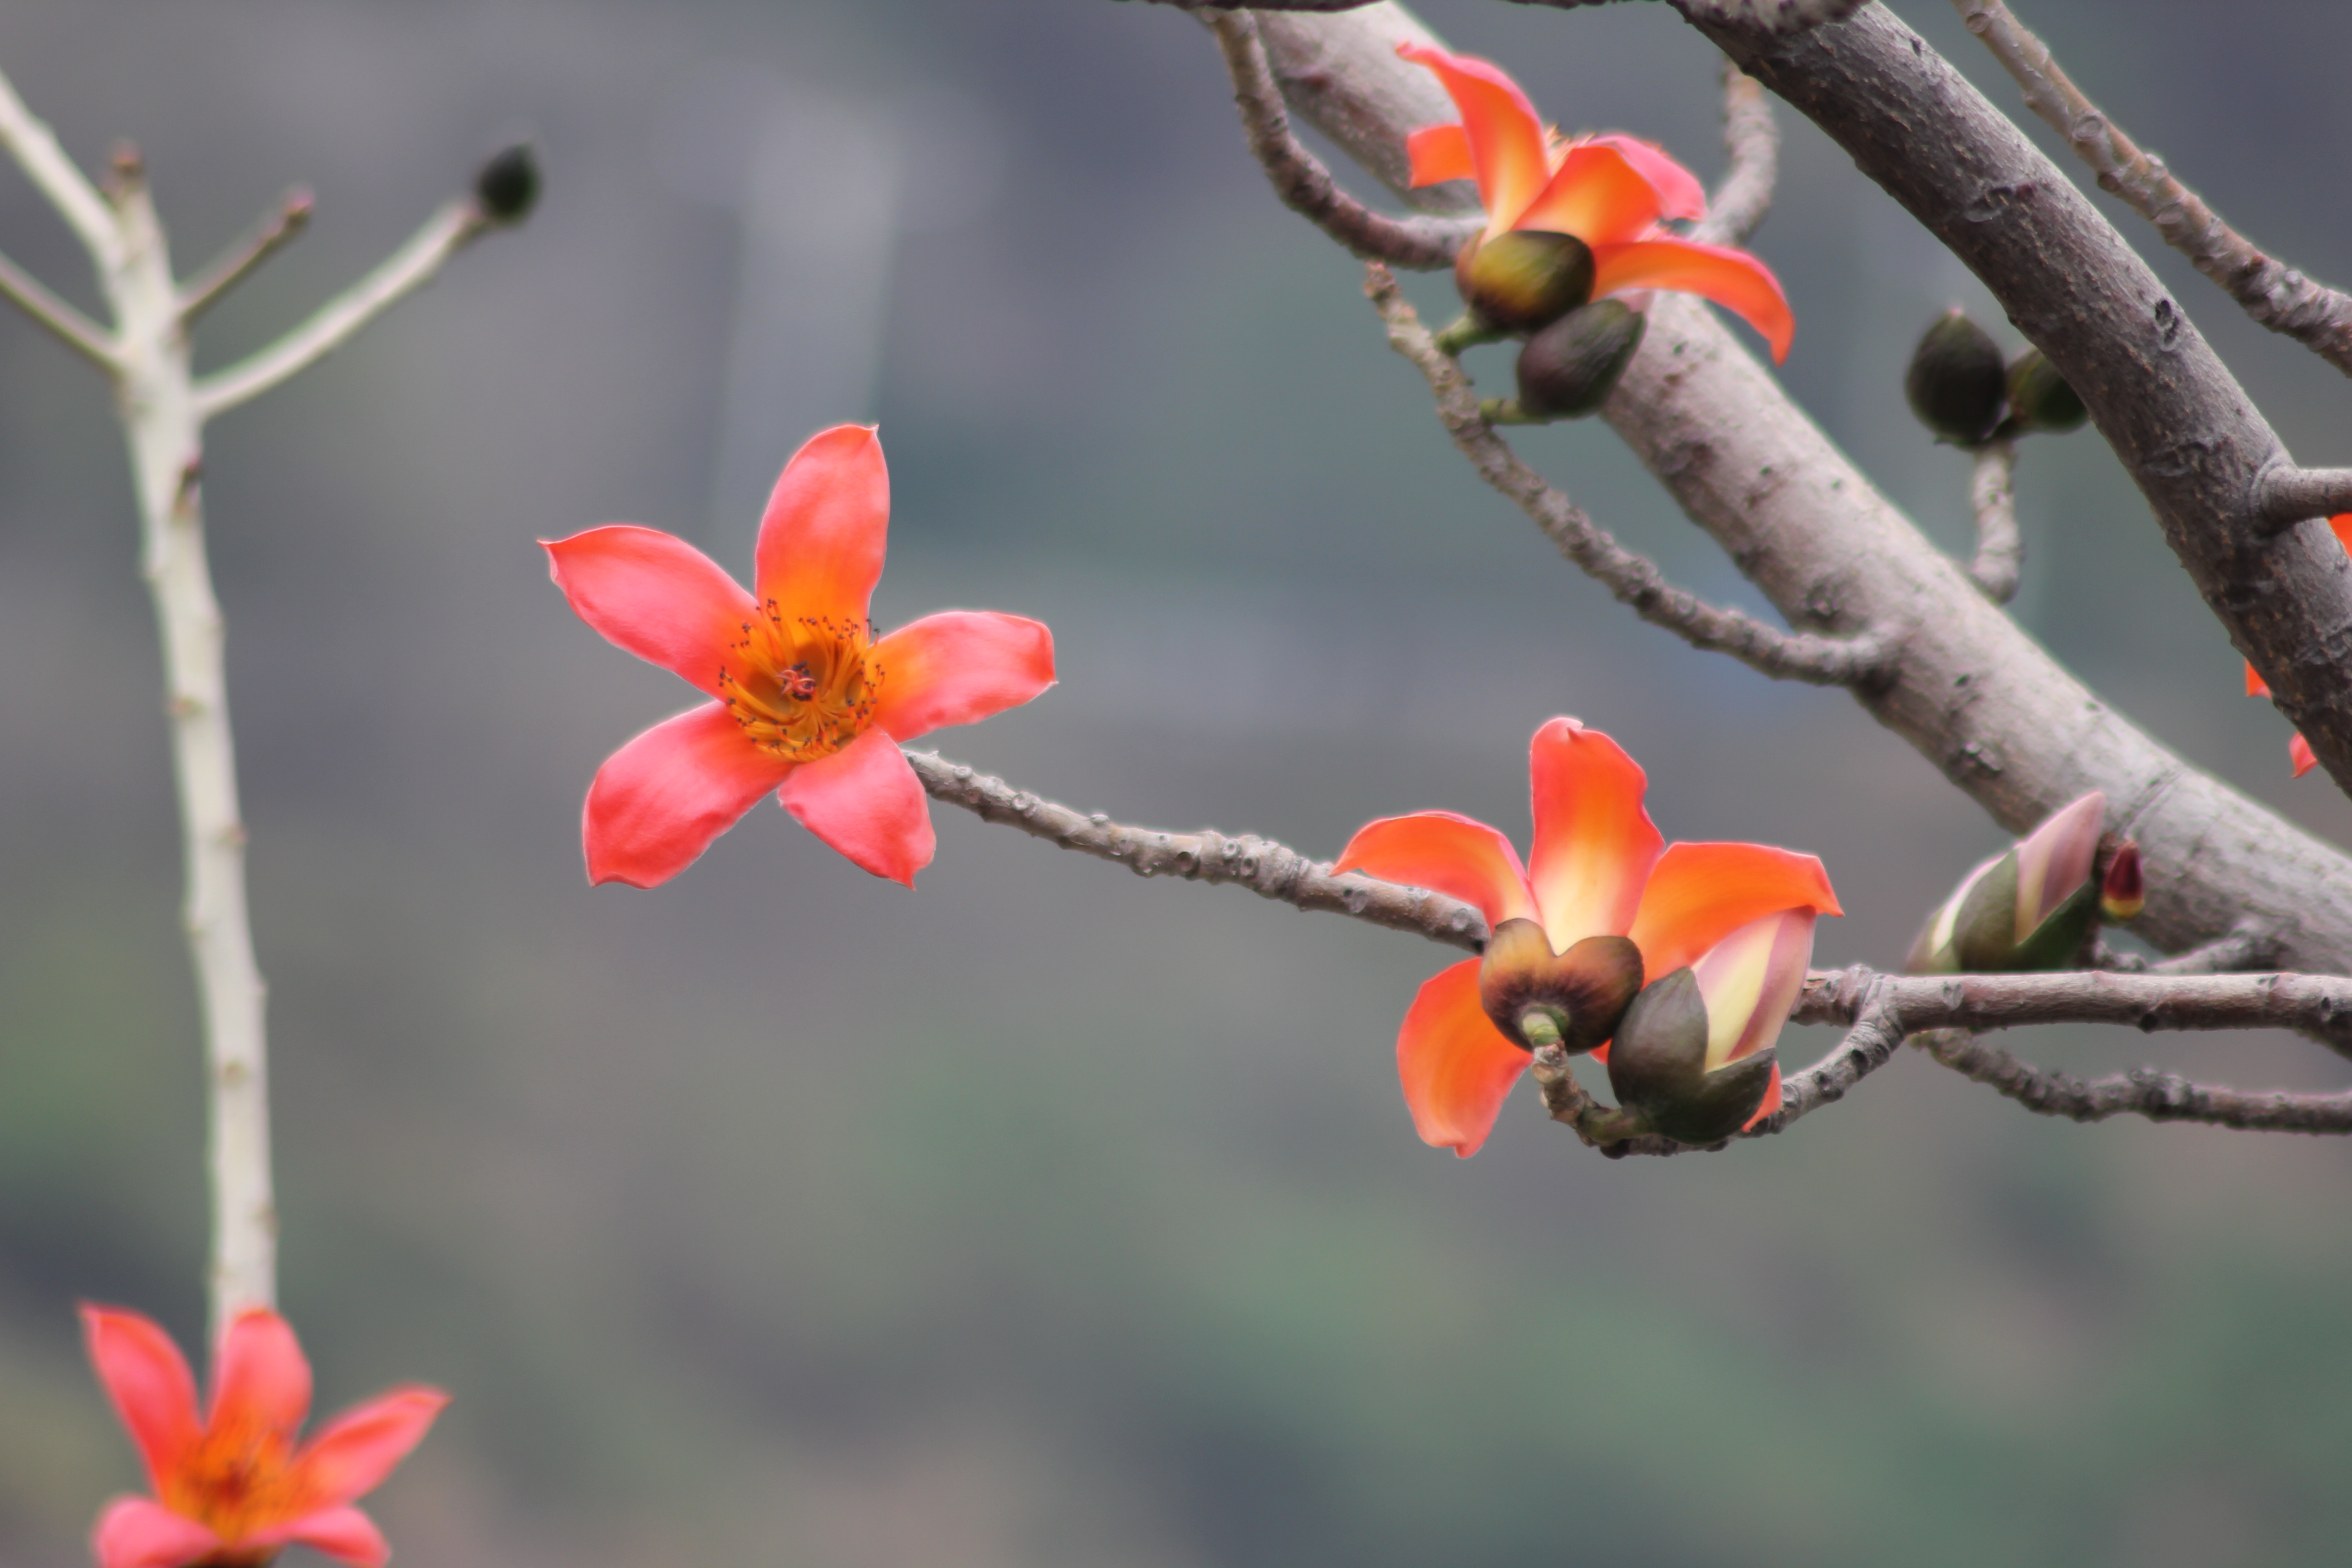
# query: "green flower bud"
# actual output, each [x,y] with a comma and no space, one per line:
[506,188]
[1956,382]
[2031,907]
[2039,397]
[1525,280]
[1539,997]
[1569,369]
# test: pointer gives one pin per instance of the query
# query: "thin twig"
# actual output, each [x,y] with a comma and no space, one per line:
[70,326]
[406,271]
[237,264]
[1422,244]
[2273,294]
[34,145]
[1740,204]
[1993,497]
[2289,495]
[1268,869]
[2144,1092]
[2235,953]
[1633,579]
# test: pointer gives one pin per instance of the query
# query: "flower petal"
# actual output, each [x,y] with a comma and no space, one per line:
[1700,893]
[2299,755]
[2056,857]
[1594,844]
[1732,278]
[959,666]
[657,803]
[1771,1100]
[1438,153]
[261,1379]
[1455,1066]
[865,801]
[1749,981]
[656,595]
[826,527]
[1507,140]
[1451,854]
[148,1379]
[343,1533]
[350,1456]
[1597,196]
[2255,684]
[139,1532]
[1680,196]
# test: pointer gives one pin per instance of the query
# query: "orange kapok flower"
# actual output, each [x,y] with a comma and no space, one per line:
[1611,192]
[232,1488]
[807,701]
[1600,874]
[2298,750]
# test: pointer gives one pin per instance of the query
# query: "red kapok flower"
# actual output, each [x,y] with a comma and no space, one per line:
[2298,750]
[231,1487]
[1598,868]
[1610,192]
[809,703]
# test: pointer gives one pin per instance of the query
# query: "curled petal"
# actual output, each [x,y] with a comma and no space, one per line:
[1507,140]
[657,803]
[1438,153]
[1732,278]
[865,801]
[1455,1066]
[826,527]
[1750,980]
[1448,853]
[1594,844]
[1700,893]
[354,1453]
[1680,196]
[2299,756]
[149,1382]
[656,595]
[1771,1100]
[958,668]
[2341,525]
[343,1533]
[261,1379]
[1597,196]
[139,1532]
[2056,857]
[2255,684]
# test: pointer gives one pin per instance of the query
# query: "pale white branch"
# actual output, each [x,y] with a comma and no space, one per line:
[70,326]
[34,145]
[1993,497]
[265,240]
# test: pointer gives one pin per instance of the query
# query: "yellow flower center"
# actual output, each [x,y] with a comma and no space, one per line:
[807,684]
[238,1479]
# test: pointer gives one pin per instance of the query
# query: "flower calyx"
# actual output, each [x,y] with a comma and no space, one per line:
[1955,381]
[1523,281]
[2040,398]
[1568,370]
[1574,999]
[1658,1067]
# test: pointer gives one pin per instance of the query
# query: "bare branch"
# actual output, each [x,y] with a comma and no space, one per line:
[265,240]
[407,270]
[1266,868]
[34,145]
[1740,204]
[2144,1092]
[1993,497]
[1423,243]
[70,326]
[2288,495]
[2236,953]
[1633,579]
[2273,294]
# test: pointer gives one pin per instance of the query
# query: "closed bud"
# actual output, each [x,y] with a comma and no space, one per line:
[1538,997]
[1694,1058]
[2039,397]
[507,187]
[2123,893]
[1569,369]
[1524,279]
[1956,382]
[2030,907]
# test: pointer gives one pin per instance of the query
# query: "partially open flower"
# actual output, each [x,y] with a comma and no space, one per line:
[2123,892]
[2030,906]
[1693,1056]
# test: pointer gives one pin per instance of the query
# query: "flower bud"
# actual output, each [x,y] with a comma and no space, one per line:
[2122,893]
[2030,907]
[507,187]
[1524,279]
[1538,997]
[1569,369]
[1955,381]
[1694,1055]
[2039,397]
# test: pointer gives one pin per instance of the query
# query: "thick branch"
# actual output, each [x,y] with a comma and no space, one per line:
[70,326]
[266,238]
[2144,1092]
[2273,294]
[1266,868]
[2001,549]
[1632,578]
[1740,204]
[1423,243]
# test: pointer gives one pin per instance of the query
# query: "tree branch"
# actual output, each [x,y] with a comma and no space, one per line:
[1633,579]
[1993,497]
[266,240]
[1740,204]
[2273,294]
[70,326]
[2144,1092]
[34,145]
[2288,495]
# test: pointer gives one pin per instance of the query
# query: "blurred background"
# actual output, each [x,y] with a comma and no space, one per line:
[1045,1216]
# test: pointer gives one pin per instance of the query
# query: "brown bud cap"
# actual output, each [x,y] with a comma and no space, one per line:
[1525,280]
[1582,992]
[2039,397]
[1569,369]
[2124,893]
[1955,381]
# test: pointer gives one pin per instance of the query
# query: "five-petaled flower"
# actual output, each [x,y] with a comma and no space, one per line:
[807,701]
[1612,191]
[232,1488]
[2298,750]
[1600,873]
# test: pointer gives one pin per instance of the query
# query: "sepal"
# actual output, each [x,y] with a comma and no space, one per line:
[1537,997]
[2040,398]
[1657,1066]
[1569,369]
[1524,279]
